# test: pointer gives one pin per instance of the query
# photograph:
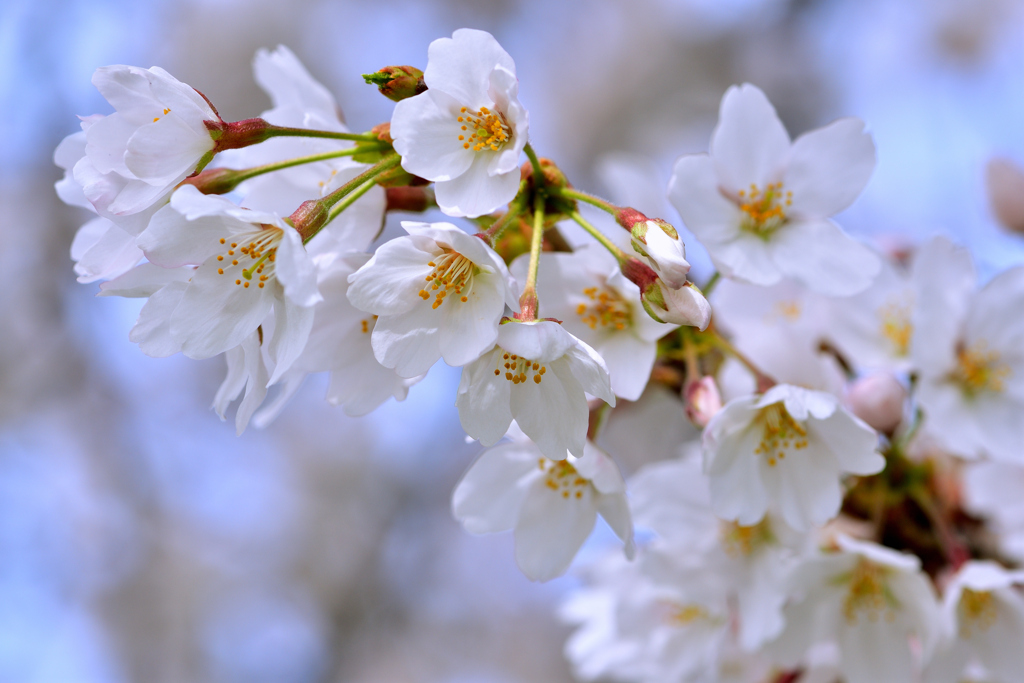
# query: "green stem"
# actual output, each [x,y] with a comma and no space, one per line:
[538,172]
[619,255]
[528,301]
[247,173]
[381,167]
[710,286]
[515,209]
[350,199]
[764,382]
[283,131]
[570,193]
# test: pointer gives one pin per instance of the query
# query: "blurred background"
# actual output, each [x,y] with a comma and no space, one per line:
[140,540]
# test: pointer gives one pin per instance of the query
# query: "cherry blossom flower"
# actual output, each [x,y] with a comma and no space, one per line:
[438,293]
[537,374]
[249,262]
[985,614]
[102,249]
[868,599]
[651,620]
[761,204]
[671,498]
[339,342]
[551,504]
[467,131]
[586,291]
[786,449]
[779,328]
[156,137]
[968,354]
[683,306]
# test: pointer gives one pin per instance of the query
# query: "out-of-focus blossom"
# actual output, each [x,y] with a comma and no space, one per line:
[1005,183]
[992,490]
[967,350]
[703,400]
[761,204]
[671,498]
[787,450]
[538,374]
[468,130]
[984,611]
[551,504]
[878,400]
[438,292]
[586,291]
[871,601]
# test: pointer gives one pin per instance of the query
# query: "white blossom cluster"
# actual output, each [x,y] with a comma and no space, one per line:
[852,510]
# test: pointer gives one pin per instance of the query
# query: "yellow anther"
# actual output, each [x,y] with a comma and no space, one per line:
[487,130]
[979,370]
[764,211]
[868,593]
[608,310]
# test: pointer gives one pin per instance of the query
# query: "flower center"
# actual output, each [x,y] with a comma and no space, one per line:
[483,129]
[979,369]
[977,611]
[562,477]
[896,325]
[606,309]
[789,310]
[764,211]
[781,432]
[256,256]
[367,324]
[868,593]
[675,613]
[745,540]
[451,272]
[517,369]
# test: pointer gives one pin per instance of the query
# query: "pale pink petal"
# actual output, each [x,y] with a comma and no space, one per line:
[291,331]
[553,412]
[407,342]
[389,283]
[295,270]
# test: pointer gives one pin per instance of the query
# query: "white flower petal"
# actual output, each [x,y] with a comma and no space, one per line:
[426,132]
[475,192]
[484,399]
[750,144]
[491,492]
[461,66]
[550,530]
[152,331]
[828,168]
[824,258]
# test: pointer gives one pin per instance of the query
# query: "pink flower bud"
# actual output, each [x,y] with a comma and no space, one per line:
[703,400]
[878,400]
[1005,181]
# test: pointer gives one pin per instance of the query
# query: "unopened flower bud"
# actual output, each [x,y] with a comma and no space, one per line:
[683,306]
[658,243]
[703,400]
[397,82]
[1005,181]
[878,400]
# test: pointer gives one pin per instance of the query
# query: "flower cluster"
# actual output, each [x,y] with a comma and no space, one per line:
[848,504]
